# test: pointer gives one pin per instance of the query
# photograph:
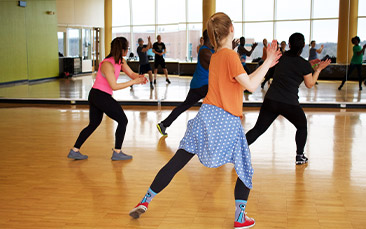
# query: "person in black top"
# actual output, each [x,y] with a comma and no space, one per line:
[282,97]
[143,59]
[159,49]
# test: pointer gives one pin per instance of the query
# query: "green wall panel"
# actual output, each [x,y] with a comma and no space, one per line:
[28,40]
[13,51]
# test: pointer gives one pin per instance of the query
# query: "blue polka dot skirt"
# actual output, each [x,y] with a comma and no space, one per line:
[217,137]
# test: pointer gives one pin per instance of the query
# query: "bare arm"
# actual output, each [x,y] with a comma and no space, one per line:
[252,81]
[107,70]
[320,49]
[311,78]
[362,51]
[205,58]
[149,45]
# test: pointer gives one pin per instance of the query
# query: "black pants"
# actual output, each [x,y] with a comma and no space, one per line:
[270,110]
[178,161]
[194,95]
[99,103]
[350,70]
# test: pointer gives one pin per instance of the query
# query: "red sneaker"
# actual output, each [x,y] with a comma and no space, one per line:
[138,210]
[249,222]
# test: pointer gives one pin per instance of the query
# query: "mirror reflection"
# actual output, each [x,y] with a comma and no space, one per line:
[333,29]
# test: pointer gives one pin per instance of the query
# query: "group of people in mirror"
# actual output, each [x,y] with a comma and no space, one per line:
[216,134]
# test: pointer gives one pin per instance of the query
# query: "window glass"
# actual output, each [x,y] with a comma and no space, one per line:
[73,41]
[120,12]
[362,8]
[61,37]
[362,32]
[258,10]
[256,32]
[170,12]
[194,11]
[325,32]
[326,8]
[175,41]
[290,9]
[233,8]
[194,35]
[143,12]
[286,28]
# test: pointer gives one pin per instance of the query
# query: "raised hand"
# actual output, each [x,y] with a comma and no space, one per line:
[148,39]
[323,64]
[254,45]
[273,54]
[235,43]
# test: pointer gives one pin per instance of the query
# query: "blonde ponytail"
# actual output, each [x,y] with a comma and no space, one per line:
[218,28]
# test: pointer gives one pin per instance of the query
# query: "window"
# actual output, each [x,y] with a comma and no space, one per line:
[194,35]
[194,11]
[121,13]
[170,12]
[258,10]
[326,8]
[73,42]
[362,8]
[290,9]
[325,32]
[174,40]
[86,44]
[286,28]
[61,41]
[232,8]
[143,12]
[142,32]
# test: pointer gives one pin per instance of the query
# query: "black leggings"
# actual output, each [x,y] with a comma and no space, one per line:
[270,110]
[194,95]
[101,102]
[178,161]
[350,70]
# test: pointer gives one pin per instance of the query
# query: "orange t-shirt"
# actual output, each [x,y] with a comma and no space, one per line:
[223,89]
[264,56]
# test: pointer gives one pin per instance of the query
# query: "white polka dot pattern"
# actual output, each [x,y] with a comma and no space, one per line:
[217,137]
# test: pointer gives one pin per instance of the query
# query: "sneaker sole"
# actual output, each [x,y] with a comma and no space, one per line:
[159,129]
[121,159]
[77,158]
[136,212]
[301,162]
[245,226]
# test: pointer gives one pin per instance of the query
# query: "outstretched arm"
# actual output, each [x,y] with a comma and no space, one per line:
[252,81]
[320,49]
[311,78]
[107,70]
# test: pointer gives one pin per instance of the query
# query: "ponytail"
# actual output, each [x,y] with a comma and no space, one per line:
[218,28]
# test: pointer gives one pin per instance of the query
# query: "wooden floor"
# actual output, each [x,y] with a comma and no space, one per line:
[41,188]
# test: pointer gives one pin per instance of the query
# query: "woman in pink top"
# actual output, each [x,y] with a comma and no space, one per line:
[101,100]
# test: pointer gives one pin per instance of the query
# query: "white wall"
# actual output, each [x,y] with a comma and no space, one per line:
[80,13]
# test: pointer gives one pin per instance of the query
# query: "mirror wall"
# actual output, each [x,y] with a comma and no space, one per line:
[180,25]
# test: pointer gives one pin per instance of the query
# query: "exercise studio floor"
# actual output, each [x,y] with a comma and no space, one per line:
[77,88]
[41,188]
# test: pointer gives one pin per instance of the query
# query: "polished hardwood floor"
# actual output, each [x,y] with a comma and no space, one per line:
[41,188]
[78,88]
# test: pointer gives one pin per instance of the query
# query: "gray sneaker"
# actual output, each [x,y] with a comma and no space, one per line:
[76,155]
[120,156]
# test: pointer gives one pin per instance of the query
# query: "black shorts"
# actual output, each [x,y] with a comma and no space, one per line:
[144,68]
[159,61]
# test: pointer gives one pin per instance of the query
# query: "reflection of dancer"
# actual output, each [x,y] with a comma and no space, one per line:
[200,45]
[243,53]
[216,134]
[283,47]
[282,97]
[313,52]
[199,84]
[101,100]
[159,49]
[144,60]
[356,62]
[270,73]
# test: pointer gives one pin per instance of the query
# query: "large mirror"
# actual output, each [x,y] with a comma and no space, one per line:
[179,23]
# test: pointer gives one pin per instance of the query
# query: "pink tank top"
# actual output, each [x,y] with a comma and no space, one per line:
[101,82]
